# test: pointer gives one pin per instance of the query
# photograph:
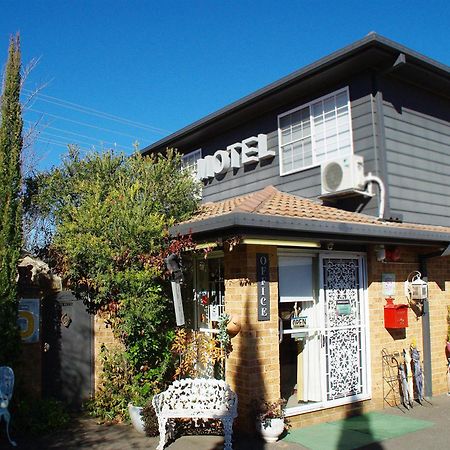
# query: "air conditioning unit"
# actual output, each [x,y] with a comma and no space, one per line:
[342,174]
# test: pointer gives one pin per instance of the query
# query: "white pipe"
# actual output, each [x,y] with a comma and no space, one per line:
[373,179]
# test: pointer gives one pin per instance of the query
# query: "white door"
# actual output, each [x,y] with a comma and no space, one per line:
[344,327]
[323,362]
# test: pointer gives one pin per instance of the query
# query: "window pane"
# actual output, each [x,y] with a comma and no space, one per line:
[286,158]
[285,135]
[307,152]
[329,105]
[341,99]
[285,121]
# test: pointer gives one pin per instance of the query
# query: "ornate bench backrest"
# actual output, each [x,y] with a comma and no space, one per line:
[6,385]
[195,395]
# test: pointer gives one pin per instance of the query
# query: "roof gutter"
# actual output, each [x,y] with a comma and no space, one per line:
[219,224]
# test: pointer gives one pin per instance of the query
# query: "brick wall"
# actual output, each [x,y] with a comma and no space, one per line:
[103,335]
[252,369]
[253,366]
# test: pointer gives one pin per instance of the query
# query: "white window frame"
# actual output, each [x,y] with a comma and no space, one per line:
[187,156]
[309,105]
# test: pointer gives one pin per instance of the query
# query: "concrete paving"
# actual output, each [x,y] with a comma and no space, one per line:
[85,433]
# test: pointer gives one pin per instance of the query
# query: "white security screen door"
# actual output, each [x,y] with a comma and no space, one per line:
[323,332]
[344,332]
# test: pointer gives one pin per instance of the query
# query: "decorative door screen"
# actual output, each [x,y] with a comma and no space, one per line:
[343,337]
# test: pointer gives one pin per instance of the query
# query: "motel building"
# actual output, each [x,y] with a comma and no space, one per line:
[326,207]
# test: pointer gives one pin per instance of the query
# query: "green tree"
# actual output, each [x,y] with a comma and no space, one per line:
[111,215]
[10,202]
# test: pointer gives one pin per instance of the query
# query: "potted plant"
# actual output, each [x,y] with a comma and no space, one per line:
[136,417]
[270,419]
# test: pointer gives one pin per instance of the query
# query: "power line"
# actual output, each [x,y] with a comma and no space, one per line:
[83,123]
[65,137]
[92,138]
[95,112]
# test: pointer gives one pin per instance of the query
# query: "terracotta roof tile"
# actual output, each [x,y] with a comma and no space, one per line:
[271,202]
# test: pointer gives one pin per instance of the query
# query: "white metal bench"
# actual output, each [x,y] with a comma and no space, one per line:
[199,398]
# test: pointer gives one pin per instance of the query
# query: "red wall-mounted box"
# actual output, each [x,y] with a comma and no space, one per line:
[395,316]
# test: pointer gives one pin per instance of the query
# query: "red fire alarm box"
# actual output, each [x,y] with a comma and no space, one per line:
[395,316]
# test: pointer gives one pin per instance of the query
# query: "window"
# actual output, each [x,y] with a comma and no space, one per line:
[204,291]
[189,160]
[316,132]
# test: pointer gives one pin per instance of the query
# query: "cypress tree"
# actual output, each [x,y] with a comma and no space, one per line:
[10,203]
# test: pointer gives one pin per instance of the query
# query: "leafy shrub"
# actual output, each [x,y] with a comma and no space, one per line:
[150,420]
[119,386]
[110,215]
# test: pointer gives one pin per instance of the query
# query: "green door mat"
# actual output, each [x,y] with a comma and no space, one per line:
[355,432]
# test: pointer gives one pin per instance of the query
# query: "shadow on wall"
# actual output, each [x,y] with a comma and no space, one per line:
[250,386]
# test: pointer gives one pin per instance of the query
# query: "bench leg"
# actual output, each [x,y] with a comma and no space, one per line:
[228,433]
[162,421]
[7,417]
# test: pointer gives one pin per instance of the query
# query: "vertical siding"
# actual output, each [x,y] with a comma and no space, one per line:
[418,154]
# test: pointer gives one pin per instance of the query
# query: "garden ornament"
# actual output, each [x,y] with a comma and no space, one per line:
[6,390]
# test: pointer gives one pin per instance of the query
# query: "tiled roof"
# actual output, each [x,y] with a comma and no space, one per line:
[271,202]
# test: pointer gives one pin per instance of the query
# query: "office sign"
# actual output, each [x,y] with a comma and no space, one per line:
[263,279]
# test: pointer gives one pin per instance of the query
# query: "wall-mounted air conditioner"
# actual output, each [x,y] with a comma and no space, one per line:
[343,174]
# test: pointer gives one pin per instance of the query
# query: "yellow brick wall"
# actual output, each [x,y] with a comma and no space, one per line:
[253,365]
[252,369]
[103,335]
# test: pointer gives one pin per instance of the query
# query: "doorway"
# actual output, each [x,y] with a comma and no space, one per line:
[323,332]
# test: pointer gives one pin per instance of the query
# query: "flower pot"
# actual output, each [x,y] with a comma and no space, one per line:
[136,418]
[233,327]
[271,429]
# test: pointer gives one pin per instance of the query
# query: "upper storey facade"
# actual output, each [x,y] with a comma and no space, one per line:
[374,107]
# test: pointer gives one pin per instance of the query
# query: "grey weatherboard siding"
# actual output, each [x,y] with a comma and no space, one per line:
[400,110]
[417,130]
[305,183]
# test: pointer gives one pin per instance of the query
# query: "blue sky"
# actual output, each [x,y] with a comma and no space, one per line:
[164,64]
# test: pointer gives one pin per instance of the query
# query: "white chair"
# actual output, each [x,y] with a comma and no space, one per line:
[6,391]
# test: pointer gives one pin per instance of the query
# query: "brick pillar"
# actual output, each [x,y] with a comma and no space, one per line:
[252,369]
[103,335]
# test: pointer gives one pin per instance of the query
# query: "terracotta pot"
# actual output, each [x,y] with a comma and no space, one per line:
[233,327]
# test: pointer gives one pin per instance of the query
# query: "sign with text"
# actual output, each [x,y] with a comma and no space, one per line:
[28,320]
[262,277]
[249,151]
[388,284]
[298,322]
[343,307]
